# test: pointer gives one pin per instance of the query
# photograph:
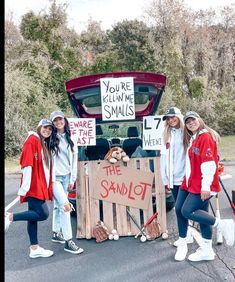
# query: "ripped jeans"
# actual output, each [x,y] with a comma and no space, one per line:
[61,220]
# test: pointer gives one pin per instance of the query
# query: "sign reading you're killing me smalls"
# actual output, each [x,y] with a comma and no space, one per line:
[123,185]
[117,98]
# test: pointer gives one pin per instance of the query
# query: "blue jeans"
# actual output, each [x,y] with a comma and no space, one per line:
[61,220]
[37,211]
[190,206]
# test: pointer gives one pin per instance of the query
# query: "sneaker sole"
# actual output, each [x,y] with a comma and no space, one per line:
[41,256]
[204,258]
[55,241]
[80,250]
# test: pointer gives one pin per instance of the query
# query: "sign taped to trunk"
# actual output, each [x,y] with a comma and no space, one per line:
[123,185]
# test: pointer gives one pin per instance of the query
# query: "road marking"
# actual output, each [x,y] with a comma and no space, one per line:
[12,203]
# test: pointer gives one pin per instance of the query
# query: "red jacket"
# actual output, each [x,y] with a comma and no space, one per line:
[203,149]
[32,156]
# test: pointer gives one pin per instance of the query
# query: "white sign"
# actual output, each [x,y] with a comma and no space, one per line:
[117,98]
[83,130]
[153,127]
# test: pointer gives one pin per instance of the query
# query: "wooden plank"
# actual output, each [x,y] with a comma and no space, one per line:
[160,196]
[94,203]
[80,201]
[122,223]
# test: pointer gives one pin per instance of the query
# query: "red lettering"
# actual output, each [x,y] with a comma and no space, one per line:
[130,190]
[103,183]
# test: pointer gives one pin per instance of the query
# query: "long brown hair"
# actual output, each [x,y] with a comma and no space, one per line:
[188,133]
[45,142]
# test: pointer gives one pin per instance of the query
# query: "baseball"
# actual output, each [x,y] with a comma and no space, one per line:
[114,231]
[111,237]
[164,235]
[143,238]
[115,237]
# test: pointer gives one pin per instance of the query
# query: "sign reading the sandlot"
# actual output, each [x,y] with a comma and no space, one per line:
[83,130]
[117,98]
[123,185]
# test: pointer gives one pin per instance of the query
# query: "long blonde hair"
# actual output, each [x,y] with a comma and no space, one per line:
[188,133]
[167,129]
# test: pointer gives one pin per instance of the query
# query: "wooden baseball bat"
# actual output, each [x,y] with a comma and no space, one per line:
[148,222]
[87,205]
[219,237]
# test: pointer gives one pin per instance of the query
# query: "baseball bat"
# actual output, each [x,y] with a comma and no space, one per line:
[87,205]
[148,222]
[219,237]
[135,222]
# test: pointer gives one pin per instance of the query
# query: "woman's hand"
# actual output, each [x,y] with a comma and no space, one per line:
[205,195]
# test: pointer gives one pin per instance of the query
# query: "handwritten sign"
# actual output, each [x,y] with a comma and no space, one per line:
[123,185]
[117,98]
[153,127]
[83,130]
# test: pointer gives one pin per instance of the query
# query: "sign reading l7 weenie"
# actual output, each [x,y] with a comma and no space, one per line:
[123,185]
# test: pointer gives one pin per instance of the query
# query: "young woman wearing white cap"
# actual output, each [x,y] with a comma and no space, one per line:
[36,184]
[199,185]
[65,172]
[172,161]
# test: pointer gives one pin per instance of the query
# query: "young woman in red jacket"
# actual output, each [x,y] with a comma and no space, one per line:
[199,185]
[36,184]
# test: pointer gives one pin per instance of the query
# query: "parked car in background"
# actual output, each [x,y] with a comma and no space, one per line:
[84,95]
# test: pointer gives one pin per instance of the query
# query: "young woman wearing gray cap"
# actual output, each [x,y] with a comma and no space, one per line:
[36,184]
[199,185]
[65,172]
[172,161]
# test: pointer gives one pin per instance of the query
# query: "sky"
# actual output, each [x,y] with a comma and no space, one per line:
[108,12]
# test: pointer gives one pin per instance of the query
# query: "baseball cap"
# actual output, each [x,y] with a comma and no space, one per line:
[171,112]
[56,114]
[191,114]
[45,122]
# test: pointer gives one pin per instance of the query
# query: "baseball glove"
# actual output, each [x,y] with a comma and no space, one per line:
[153,230]
[100,232]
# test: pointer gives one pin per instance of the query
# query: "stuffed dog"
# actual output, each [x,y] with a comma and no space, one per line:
[116,154]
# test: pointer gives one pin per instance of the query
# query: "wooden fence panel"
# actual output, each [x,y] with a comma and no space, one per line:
[115,215]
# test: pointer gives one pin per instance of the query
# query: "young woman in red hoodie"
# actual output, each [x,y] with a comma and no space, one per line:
[36,184]
[201,182]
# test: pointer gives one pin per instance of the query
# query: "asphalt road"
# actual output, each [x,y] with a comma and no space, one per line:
[125,260]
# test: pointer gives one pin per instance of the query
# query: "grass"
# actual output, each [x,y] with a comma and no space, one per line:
[226,153]
[227,148]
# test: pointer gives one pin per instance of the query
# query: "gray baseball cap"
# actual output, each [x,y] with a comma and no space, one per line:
[45,122]
[191,114]
[56,114]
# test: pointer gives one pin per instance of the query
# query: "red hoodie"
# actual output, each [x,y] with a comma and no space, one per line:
[32,156]
[202,149]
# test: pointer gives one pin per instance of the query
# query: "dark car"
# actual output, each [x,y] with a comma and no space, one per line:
[84,94]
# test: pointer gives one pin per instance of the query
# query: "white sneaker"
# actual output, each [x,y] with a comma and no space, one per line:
[40,252]
[201,254]
[227,228]
[182,251]
[7,221]
[189,240]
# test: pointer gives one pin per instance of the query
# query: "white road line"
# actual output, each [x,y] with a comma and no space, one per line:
[12,203]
